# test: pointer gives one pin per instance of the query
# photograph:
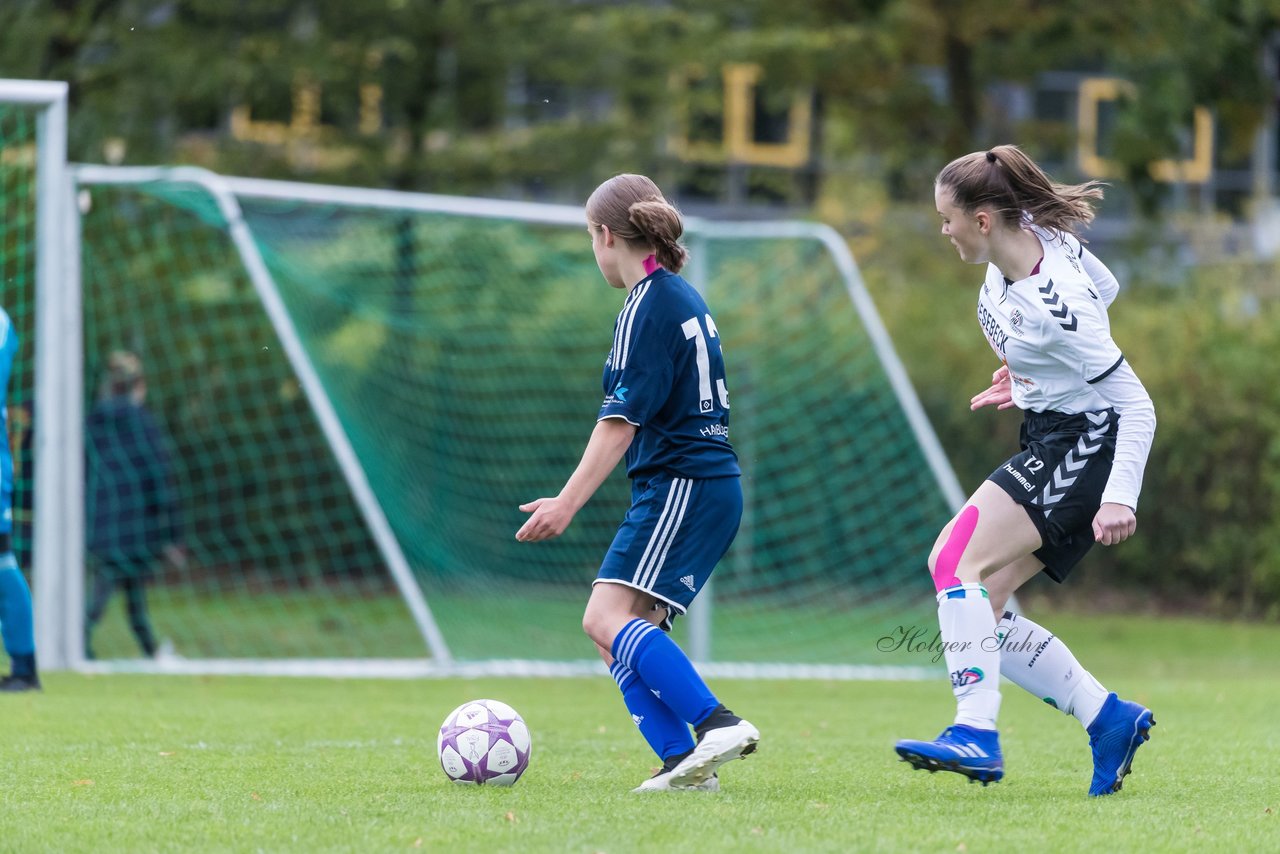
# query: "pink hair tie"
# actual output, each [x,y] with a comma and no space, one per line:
[651,265]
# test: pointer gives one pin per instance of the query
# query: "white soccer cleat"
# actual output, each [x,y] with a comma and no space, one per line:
[715,747]
[661,782]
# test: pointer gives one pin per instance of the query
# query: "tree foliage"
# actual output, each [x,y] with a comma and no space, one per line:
[527,97]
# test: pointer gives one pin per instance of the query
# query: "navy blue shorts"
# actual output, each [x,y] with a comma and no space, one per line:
[673,536]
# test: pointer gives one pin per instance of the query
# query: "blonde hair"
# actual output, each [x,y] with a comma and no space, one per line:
[634,209]
[1011,183]
[123,373]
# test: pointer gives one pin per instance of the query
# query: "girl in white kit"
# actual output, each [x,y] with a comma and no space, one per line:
[1087,429]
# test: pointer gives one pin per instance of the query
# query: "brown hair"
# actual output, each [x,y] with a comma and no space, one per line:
[1009,181]
[123,373]
[634,209]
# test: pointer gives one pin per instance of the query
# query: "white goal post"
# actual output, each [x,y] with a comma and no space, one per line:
[57,511]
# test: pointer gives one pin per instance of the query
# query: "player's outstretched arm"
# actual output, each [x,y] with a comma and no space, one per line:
[609,442]
[1000,393]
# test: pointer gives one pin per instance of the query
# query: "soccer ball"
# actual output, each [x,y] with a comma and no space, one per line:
[485,743]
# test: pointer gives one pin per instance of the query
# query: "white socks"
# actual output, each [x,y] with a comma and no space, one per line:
[1032,658]
[972,653]
[978,650]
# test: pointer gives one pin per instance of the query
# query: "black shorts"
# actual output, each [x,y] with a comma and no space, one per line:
[1058,478]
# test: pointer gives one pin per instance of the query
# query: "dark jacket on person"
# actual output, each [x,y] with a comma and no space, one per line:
[131,513]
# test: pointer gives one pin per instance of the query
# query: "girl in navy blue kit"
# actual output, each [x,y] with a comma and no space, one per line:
[666,408]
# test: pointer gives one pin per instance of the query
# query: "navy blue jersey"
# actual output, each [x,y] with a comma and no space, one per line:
[665,374]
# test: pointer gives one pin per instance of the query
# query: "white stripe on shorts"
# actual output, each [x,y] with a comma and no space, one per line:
[664,533]
[672,496]
[662,559]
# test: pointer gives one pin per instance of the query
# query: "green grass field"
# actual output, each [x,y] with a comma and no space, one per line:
[155,763]
[539,624]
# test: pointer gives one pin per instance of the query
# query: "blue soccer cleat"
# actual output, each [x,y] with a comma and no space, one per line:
[970,752]
[1115,736]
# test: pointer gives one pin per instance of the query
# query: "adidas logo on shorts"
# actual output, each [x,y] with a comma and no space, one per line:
[687,581]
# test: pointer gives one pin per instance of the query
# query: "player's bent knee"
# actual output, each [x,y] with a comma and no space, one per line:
[592,624]
[602,624]
[612,606]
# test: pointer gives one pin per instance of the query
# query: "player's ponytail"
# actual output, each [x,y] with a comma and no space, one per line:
[1009,182]
[635,210]
[660,224]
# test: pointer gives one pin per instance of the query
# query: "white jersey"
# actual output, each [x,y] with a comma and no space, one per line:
[1052,331]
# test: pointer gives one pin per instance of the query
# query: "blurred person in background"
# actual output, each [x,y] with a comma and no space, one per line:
[1087,430]
[132,512]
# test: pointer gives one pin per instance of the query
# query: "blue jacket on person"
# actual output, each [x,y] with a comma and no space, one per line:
[132,511]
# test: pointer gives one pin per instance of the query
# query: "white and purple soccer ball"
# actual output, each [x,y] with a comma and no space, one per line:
[484,742]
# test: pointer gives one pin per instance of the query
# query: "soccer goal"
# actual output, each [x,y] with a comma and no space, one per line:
[35,248]
[354,389]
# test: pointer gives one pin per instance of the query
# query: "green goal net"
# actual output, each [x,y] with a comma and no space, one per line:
[458,345]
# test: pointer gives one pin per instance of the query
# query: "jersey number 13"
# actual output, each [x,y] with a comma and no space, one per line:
[693,332]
